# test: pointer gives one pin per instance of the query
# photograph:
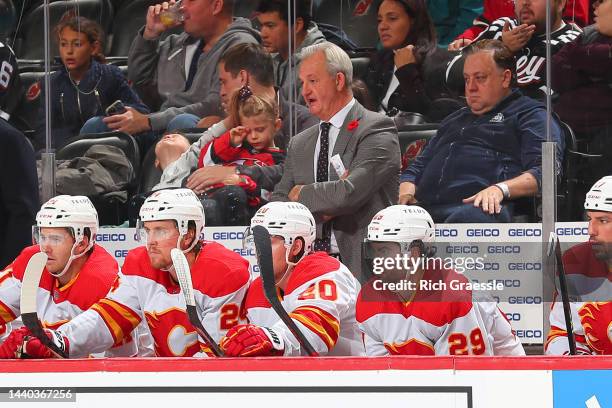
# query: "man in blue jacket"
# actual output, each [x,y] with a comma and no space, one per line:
[487,153]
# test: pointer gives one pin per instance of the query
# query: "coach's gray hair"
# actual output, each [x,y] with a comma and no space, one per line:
[337,60]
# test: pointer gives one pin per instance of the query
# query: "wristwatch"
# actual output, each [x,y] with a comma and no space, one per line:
[505,189]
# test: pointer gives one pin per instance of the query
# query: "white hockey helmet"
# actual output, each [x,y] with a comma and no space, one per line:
[73,212]
[402,223]
[599,197]
[289,220]
[180,205]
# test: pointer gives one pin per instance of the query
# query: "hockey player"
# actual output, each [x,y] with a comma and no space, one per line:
[148,288]
[318,292]
[588,268]
[78,272]
[399,316]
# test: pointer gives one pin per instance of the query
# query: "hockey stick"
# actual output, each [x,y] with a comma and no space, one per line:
[183,273]
[29,289]
[571,339]
[263,248]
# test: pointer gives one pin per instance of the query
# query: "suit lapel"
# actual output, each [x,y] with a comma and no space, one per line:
[309,151]
[345,135]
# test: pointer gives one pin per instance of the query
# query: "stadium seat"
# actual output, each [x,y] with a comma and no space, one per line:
[30,36]
[357,18]
[130,18]
[413,139]
[572,186]
[111,209]
[360,67]
[25,117]
[8,19]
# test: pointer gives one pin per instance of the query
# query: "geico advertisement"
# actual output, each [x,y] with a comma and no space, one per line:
[504,259]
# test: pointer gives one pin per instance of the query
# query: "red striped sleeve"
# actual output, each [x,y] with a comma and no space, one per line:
[320,322]
[119,319]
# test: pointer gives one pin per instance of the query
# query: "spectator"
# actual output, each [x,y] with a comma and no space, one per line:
[525,36]
[275,21]
[182,67]
[485,154]
[250,143]
[84,87]
[169,149]
[18,195]
[240,65]
[582,76]
[364,141]
[408,73]
[451,17]
[588,267]
[576,11]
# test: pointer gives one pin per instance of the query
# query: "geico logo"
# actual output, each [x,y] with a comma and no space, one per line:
[529,334]
[524,300]
[527,266]
[245,252]
[504,249]
[228,235]
[447,233]
[490,266]
[573,231]
[525,232]
[513,317]
[457,249]
[510,283]
[110,237]
[483,232]
[121,253]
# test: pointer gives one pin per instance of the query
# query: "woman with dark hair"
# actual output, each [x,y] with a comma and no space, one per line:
[408,73]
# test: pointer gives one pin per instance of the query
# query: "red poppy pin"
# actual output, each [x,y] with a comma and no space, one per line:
[353,125]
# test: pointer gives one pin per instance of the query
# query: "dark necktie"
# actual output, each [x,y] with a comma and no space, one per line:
[324,243]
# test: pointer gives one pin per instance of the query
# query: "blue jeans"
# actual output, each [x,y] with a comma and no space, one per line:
[467,213]
[183,121]
[94,125]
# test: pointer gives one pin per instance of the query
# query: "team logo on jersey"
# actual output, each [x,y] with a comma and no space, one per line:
[497,118]
[595,318]
[362,8]
[33,92]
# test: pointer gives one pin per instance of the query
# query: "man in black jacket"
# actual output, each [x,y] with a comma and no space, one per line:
[18,180]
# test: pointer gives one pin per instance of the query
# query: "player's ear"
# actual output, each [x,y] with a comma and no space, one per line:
[188,238]
[278,123]
[297,249]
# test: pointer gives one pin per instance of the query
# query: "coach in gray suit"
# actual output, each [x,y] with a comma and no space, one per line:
[367,143]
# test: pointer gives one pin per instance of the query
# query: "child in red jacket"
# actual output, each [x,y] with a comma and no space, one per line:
[251,143]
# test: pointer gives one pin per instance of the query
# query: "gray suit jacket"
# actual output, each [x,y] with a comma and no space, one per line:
[371,154]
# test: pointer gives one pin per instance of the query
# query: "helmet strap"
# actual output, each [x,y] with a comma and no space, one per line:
[73,257]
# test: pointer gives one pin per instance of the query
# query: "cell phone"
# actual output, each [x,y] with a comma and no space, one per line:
[115,108]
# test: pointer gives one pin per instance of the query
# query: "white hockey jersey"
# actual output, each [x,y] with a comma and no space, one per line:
[320,298]
[58,305]
[220,279]
[433,323]
[591,281]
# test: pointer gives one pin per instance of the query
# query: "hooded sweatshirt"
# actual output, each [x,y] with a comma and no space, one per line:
[163,62]
[281,68]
